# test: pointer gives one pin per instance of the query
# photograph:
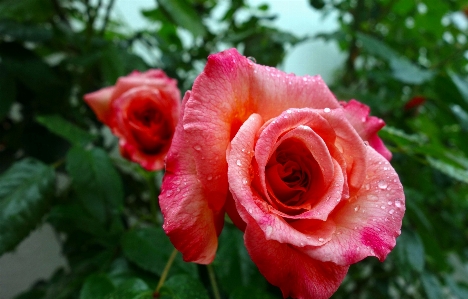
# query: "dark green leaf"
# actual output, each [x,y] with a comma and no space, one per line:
[183,287]
[26,10]
[112,64]
[150,248]
[24,32]
[233,265]
[96,182]
[65,129]
[25,193]
[7,91]
[131,289]
[318,4]
[251,293]
[431,286]
[183,14]
[96,286]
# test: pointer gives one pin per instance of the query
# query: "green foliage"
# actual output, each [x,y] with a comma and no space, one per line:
[26,190]
[105,208]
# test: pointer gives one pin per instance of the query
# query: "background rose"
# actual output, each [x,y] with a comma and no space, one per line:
[310,195]
[142,109]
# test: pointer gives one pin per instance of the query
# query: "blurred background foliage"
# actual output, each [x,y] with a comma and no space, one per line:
[406,59]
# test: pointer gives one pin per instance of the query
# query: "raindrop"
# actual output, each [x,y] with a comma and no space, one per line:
[356,208]
[385,168]
[210,178]
[382,207]
[397,203]
[382,185]
[302,244]
[389,203]
[269,230]
[391,211]
[197,147]
[250,211]
[245,181]
[372,197]
[326,110]
[238,162]
[320,239]
[252,59]
[367,187]
[169,193]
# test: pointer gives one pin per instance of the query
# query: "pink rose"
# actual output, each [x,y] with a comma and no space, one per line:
[142,109]
[289,165]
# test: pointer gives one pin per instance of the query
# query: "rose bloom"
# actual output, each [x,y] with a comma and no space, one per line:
[141,109]
[304,177]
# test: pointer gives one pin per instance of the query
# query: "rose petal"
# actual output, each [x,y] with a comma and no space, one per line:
[366,126]
[370,222]
[99,101]
[189,221]
[298,275]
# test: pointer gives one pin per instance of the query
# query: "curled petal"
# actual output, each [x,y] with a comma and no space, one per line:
[369,223]
[99,101]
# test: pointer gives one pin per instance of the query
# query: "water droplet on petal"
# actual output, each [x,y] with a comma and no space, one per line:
[389,203]
[197,147]
[382,185]
[397,203]
[321,239]
[210,178]
[269,230]
[367,187]
[326,110]
[252,59]
[391,211]
[238,162]
[245,181]
[356,208]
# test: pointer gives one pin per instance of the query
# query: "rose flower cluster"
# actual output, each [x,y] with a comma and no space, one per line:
[305,177]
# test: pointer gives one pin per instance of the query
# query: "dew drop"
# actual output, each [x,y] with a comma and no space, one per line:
[397,203]
[197,147]
[288,111]
[169,193]
[372,197]
[356,208]
[243,150]
[391,211]
[326,110]
[302,244]
[238,162]
[250,210]
[385,168]
[320,239]
[210,178]
[382,185]
[389,203]
[245,181]
[367,187]
[252,59]
[382,207]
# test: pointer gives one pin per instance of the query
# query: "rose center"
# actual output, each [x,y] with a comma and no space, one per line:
[290,173]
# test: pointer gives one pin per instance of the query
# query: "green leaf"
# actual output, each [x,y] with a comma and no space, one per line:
[7,91]
[134,288]
[112,64]
[96,182]
[183,287]
[65,129]
[251,293]
[183,14]
[26,190]
[431,286]
[461,85]
[233,265]
[96,286]
[411,250]
[150,248]
[26,10]
[450,170]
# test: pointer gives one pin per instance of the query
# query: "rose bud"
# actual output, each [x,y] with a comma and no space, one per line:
[142,110]
[293,169]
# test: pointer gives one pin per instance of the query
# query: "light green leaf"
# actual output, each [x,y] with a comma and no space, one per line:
[431,286]
[450,170]
[65,129]
[183,14]
[183,287]
[25,193]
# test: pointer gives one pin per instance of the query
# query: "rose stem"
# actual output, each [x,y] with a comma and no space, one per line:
[166,271]
[214,285]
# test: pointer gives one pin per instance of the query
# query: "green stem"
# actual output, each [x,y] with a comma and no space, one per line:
[214,285]
[154,206]
[166,271]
